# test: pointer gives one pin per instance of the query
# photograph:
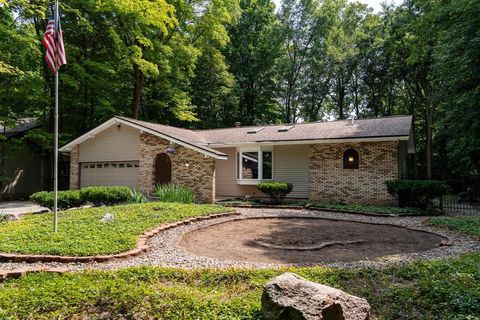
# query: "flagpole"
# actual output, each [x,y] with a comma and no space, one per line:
[55,161]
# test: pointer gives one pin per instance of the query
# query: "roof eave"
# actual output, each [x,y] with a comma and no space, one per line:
[116,120]
[311,141]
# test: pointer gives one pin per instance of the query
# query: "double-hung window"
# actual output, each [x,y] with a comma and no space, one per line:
[254,164]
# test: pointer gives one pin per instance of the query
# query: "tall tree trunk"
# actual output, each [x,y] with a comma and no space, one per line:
[429,142]
[341,102]
[139,77]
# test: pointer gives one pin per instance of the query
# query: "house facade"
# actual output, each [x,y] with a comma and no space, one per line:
[337,161]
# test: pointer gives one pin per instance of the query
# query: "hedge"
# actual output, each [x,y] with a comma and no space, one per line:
[276,190]
[106,195]
[416,193]
[66,199]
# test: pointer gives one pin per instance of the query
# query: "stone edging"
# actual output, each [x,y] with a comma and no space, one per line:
[312,208]
[17,273]
[140,247]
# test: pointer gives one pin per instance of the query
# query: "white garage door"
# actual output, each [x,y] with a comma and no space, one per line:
[109,174]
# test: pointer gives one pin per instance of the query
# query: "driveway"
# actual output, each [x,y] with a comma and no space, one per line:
[20,207]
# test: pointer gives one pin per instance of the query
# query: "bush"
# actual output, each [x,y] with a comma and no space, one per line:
[175,193]
[276,190]
[416,193]
[66,199]
[136,196]
[106,195]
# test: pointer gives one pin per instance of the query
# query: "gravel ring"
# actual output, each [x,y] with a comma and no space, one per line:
[164,250]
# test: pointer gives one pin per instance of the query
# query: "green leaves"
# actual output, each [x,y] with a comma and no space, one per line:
[81,233]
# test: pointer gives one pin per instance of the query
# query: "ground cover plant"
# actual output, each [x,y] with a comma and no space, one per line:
[446,289]
[367,208]
[81,233]
[469,225]
[328,205]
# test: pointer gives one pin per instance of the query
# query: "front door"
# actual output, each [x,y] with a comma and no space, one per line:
[163,169]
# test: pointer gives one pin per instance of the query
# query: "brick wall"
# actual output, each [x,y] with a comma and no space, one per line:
[74,168]
[330,182]
[199,175]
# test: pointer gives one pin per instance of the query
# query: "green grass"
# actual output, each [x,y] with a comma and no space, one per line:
[447,289]
[81,233]
[469,225]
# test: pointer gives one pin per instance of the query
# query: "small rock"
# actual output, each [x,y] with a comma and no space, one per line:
[8,217]
[108,217]
[292,297]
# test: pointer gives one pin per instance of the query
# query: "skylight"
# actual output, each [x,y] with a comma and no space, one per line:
[285,128]
[255,130]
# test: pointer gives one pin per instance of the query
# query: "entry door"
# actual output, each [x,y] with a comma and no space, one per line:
[163,169]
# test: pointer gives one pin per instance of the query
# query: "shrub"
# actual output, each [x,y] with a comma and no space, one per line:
[416,193]
[175,193]
[136,196]
[66,199]
[106,195]
[276,190]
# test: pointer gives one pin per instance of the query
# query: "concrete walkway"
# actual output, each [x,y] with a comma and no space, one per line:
[20,207]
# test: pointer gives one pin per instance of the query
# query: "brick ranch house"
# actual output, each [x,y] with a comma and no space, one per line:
[340,161]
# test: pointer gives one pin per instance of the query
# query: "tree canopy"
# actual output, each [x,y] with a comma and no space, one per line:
[211,63]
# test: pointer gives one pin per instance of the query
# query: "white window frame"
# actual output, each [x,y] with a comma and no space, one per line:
[259,149]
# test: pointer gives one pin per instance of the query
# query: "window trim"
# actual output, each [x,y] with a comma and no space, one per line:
[259,149]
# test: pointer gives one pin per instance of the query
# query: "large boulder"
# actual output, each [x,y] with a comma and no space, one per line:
[292,297]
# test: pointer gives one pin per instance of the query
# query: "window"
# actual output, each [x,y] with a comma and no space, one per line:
[350,159]
[254,164]
[249,165]
[267,164]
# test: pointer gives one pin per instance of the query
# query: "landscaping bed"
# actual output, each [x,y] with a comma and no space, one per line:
[318,205]
[81,233]
[446,289]
[468,225]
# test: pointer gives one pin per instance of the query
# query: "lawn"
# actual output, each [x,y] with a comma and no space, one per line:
[81,233]
[448,289]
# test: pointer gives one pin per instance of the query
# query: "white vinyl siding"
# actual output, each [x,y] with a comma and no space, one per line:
[226,177]
[109,174]
[117,143]
[291,165]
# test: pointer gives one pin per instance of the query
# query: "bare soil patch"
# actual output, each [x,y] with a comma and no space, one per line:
[301,240]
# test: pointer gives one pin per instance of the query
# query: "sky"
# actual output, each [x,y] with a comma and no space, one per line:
[375,4]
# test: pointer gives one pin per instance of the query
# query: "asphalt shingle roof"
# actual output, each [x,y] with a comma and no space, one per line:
[341,129]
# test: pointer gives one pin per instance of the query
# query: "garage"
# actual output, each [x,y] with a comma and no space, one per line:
[116,173]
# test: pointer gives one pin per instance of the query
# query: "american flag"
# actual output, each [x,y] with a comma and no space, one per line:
[55,56]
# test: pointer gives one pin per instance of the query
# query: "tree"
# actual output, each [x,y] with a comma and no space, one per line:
[139,24]
[343,52]
[299,26]
[252,55]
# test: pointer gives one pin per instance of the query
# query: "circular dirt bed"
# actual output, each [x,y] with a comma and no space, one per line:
[301,240]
